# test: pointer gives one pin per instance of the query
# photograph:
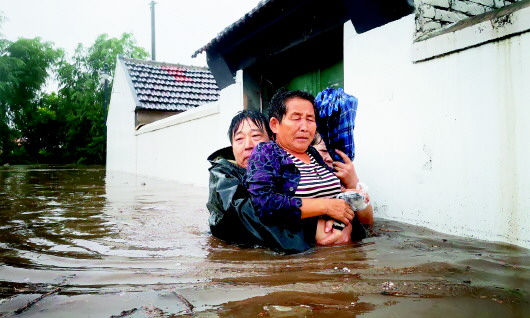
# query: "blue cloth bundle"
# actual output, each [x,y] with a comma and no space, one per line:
[336,111]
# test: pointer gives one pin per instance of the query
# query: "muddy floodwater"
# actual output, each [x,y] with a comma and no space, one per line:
[78,242]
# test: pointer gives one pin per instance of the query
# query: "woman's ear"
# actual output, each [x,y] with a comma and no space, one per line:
[274,124]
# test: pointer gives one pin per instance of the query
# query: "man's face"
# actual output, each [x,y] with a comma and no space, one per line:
[247,136]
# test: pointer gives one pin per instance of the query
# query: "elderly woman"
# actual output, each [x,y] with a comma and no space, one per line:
[232,216]
[289,183]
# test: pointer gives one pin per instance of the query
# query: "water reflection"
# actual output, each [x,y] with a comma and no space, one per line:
[300,304]
[44,211]
[116,242]
[157,218]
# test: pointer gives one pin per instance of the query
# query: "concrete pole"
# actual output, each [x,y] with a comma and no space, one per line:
[153,49]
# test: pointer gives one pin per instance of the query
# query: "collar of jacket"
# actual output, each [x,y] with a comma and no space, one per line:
[225,157]
[223,153]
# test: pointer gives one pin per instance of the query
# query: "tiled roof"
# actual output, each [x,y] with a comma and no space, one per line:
[364,14]
[170,87]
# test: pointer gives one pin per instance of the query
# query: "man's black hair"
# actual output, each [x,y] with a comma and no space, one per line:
[256,117]
[277,107]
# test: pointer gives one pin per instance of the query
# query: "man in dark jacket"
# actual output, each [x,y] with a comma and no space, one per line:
[232,216]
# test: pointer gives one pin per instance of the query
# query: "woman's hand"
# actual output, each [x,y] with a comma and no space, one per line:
[339,210]
[346,171]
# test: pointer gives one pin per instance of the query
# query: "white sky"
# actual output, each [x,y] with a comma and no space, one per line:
[182,26]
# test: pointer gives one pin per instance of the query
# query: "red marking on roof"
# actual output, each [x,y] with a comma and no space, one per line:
[178,73]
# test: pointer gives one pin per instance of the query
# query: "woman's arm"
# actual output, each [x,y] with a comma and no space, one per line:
[268,188]
[366,216]
[338,209]
[348,176]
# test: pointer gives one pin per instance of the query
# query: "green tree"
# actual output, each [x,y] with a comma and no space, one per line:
[67,126]
[8,81]
[81,95]
[24,68]
[45,134]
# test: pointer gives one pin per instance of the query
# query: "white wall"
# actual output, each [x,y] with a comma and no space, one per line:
[121,143]
[174,148]
[443,143]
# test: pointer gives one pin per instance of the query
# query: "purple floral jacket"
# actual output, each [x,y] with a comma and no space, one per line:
[272,180]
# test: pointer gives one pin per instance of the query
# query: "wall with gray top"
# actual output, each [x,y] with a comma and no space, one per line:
[433,15]
[442,141]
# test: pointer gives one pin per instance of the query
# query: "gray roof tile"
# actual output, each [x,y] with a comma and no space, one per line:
[170,87]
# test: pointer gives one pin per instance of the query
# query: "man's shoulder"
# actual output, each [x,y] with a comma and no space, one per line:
[227,166]
[223,153]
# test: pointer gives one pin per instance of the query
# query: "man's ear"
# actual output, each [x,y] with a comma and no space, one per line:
[273,123]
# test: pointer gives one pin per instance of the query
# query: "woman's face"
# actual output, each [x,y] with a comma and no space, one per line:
[298,126]
[323,151]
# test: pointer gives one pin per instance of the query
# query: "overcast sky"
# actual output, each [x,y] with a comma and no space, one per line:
[182,26]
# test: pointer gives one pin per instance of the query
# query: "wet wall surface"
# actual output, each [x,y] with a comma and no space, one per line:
[77,242]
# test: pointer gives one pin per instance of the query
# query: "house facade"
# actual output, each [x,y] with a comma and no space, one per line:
[153,125]
[443,110]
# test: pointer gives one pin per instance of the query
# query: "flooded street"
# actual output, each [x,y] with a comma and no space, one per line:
[80,243]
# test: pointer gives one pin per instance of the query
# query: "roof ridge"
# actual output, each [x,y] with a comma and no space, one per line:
[232,26]
[160,63]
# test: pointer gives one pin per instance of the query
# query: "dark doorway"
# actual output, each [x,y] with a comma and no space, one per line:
[311,66]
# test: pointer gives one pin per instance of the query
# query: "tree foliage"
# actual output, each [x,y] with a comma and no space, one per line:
[24,66]
[82,95]
[63,127]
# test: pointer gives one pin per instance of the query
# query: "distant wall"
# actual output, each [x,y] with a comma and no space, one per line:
[443,143]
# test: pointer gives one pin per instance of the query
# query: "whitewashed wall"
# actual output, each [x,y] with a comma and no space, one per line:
[121,143]
[444,143]
[174,148]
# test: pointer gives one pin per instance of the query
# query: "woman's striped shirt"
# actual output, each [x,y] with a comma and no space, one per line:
[315,180]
